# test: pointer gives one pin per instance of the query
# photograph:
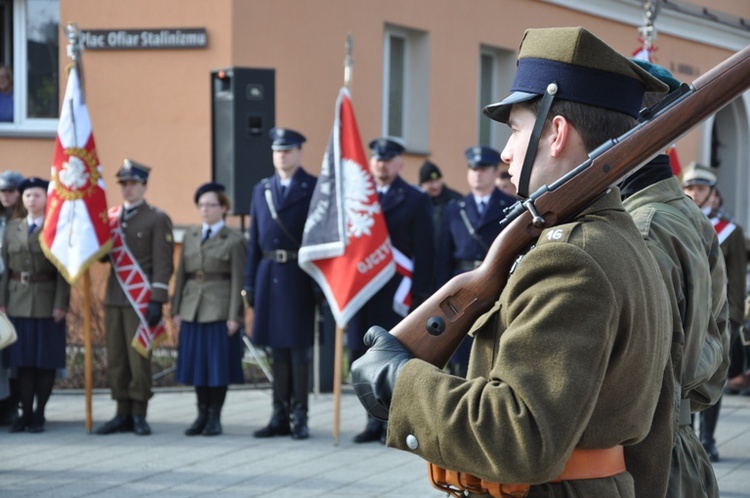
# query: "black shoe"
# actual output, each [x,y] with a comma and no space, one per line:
[8,413]
[368,436]
[140,426]
[19,425]
[37,424]
[199,424]
[712,452]
[272,430]
[121,423]
[213,423]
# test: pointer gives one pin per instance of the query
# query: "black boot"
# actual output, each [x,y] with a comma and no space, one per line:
[201,394]
[213,424]
[301,389]
[279,424]
[200,423]
[373,431]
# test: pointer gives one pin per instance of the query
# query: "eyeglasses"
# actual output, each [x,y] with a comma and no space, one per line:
[208,205]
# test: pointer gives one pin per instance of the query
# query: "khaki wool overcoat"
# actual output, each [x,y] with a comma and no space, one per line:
[571,356]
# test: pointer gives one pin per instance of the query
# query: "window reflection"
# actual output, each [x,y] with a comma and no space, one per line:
[42,29]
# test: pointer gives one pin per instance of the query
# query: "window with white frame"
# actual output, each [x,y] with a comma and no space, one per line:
[406,67]
[29,54]
[496,69]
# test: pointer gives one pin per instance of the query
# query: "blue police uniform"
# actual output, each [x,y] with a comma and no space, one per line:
[280,292]
[458,250]
[408,216]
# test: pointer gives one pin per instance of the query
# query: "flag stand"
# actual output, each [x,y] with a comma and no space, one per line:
[87,361]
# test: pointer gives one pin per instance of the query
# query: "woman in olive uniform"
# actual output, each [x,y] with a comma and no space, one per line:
[207,308]
[36,297]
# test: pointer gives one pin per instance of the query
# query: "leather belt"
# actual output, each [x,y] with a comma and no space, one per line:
[280,255]
[582,464]
[468,264]
[202,276]
[27,278]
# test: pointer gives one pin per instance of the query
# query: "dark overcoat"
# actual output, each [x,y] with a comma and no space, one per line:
[408,216]
[284,311]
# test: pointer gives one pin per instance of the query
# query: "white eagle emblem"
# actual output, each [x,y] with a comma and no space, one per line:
[358,188]
[74,174]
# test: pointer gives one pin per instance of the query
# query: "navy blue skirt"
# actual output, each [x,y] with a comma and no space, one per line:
[207,356]
[40,344]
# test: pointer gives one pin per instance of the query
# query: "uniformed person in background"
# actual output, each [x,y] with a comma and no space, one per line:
[11,208]
[671,460]
[503,180]
[567,365]
[408,216]
[279,291]
[207,308]
[36,297]
[469,228]
[147,233]
[431,181]
[699,182]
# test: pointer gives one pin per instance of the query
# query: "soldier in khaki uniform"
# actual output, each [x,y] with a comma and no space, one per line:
[699,182]
[207,308]
[147,232]
[36,297]
[569,361]
[671,461]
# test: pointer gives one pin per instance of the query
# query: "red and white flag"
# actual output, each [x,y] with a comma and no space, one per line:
[76,232]
[345,245]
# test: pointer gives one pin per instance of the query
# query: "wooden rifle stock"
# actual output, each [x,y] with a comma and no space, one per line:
[435,329]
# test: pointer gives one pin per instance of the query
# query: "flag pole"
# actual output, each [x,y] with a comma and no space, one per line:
[73,34]
[339,346]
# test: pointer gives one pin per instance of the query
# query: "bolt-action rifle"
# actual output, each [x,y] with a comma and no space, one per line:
[435,329]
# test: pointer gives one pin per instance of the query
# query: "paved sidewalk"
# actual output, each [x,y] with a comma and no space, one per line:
[64,461]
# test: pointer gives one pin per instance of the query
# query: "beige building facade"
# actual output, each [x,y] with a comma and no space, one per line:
[422,71]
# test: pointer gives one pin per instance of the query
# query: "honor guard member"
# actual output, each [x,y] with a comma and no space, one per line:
[469,228]
[147,235]
[431,181]
[11,208]
[567,366]
[699,182]
[278,290]
[671,461]
[36,298]
[408,217]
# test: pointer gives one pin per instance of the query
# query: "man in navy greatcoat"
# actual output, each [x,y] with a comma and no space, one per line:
[408,216]
[275,286]
[469,227]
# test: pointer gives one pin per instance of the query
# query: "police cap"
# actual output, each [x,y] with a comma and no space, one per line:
[481,156]
[285,139]
[386,148]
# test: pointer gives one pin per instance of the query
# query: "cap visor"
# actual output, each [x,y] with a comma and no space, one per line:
[500,111]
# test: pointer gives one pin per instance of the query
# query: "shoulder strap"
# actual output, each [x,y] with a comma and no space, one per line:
[470,228]
[275,215]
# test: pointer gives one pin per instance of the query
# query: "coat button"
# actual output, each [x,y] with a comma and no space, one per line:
[411,442]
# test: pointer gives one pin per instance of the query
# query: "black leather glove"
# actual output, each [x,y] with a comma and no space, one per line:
[153,313]
[248,295]
[374,373]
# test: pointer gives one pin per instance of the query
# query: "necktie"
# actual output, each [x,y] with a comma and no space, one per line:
[480,207]
[207,235]
[380,196]
[283,190]
[32,227]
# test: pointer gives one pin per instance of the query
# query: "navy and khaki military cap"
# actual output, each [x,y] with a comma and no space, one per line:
[286,139]
[131,170]
[583,68]
[481,156]
[386,148]
[208,187]
[429,171]
[698,174]
[10,180]
[33,182]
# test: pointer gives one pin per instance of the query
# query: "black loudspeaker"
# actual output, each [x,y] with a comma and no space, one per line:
[243,103]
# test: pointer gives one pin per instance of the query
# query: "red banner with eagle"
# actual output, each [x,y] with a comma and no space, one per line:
[76,230]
